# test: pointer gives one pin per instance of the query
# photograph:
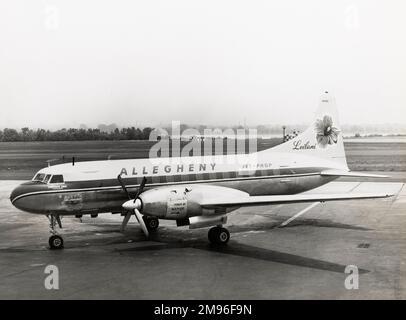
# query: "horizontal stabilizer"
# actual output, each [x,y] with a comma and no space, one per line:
[341,173]
[285,199]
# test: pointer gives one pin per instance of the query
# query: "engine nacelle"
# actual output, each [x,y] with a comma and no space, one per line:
[183,201]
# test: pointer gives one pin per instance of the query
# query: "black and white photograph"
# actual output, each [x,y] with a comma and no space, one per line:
[186,150]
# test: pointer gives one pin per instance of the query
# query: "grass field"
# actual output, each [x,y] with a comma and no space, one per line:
[20,160]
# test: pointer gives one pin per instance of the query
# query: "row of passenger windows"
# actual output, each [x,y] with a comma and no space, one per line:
[48,178]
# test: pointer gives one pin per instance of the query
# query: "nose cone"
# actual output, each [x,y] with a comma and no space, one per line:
[15,195]
[18,195]
[18,191]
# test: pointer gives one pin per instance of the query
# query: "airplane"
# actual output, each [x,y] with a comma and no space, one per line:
[197,192]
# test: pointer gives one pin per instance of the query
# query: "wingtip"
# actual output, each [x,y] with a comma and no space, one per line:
[352,174]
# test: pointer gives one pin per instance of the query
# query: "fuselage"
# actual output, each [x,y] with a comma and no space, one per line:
[92,187]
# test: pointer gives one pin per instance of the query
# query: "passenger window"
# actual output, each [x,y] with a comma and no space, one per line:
[47,178]
[58,178]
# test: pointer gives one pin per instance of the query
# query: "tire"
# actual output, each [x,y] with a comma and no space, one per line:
[151,223]
[219,236]
[212,234]
[55,242]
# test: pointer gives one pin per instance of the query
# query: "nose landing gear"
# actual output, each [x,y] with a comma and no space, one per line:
[55,241]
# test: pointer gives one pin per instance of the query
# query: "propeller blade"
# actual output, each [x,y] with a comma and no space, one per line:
[141,188]
[123,186]
[141,222]
[125,221]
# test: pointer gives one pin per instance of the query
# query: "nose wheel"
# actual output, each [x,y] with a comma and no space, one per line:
[55,241]
[219,235]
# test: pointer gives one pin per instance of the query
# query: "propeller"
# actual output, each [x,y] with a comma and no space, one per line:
[133,205]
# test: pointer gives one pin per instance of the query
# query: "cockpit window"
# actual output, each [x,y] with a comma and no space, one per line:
[39,177]
[48,176]
[57,178]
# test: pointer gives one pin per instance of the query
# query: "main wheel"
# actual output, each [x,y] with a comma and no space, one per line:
[55,242]
[151,223]
[219,235]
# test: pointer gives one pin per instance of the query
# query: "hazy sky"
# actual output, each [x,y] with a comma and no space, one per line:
[63,63]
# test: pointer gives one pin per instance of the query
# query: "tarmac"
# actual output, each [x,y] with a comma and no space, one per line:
[275,252]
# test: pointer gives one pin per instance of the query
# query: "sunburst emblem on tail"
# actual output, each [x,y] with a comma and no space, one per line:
[326,133]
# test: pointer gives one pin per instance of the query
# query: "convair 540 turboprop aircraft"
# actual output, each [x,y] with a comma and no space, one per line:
[194,191]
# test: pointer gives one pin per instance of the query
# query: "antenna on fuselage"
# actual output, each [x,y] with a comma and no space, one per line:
[284,133]
[73,161]
[51,160]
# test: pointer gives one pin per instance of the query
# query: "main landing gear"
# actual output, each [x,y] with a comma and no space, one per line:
[219,235]
[55,241]
[151,223]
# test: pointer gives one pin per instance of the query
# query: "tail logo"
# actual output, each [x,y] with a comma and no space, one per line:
[326,133]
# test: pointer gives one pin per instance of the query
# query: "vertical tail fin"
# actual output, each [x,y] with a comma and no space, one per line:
[323,138]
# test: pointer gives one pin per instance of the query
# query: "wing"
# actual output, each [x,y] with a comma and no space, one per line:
[285,199]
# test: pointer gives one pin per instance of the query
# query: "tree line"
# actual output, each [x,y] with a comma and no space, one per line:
[73,134]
